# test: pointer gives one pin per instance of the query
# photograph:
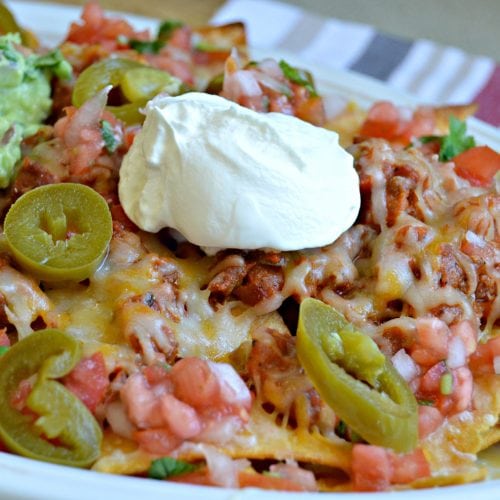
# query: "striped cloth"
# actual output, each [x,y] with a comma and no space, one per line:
[433,73]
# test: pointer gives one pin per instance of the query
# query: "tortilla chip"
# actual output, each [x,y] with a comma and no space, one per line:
[443,114]
[347,124]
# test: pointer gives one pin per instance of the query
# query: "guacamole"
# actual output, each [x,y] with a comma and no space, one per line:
[24,97]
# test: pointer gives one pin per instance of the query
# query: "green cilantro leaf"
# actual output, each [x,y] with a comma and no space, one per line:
[166,467]
[426,402]
[3,349]
[298,76]
[454,143]
[154,46]
[108,136]
[167,28]
[150,47]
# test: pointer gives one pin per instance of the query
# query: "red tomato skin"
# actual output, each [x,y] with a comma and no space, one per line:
[159,441]
[410,467]
[383,121]
[371,468]
[89,380]
[478,165]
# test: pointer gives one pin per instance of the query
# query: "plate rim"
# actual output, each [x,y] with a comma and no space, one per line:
[16,470]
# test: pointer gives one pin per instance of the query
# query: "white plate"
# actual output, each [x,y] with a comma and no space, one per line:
[25,479]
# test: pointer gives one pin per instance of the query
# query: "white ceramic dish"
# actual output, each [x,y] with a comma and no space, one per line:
[24,479]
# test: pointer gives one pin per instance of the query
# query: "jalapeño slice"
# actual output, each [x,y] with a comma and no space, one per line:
[59,232]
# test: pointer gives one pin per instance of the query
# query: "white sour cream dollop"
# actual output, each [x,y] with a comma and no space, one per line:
[225,176]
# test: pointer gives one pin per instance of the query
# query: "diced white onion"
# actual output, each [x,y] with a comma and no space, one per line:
[457,353]
[333,105]
[405,365]
[118,420]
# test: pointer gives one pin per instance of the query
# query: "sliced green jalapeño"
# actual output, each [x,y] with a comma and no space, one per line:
[61,429]
[59,232]
[355,379]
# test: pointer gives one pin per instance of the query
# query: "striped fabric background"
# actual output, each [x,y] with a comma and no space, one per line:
[434,73]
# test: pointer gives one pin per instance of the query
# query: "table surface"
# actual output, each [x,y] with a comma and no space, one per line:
[470,25]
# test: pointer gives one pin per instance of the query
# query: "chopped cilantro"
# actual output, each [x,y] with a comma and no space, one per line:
[166,467]
[454,143]
[154,46]
[3,349]
[298,76]
[108,136]
[167,28]
[426,402]
[341,429]
[149,47]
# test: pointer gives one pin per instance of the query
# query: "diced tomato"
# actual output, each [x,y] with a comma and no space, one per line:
[409,467]
[195,383]
[155,374]
[202,57]
[371,468]
[119,215]
[160,441]
[267,482]
[383,121]
[463,386]
[431,380]
[431,343]
[478,165]
[466,331]
[311,111]
[200,476]
[181,38]
[386,121]
[181,418]
[4,339]
[96,28]
[89,380]
[375,468]
[422,123]
[429,419]
[482,360]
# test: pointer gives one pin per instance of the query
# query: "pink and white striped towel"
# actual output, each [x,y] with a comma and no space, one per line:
[434,73]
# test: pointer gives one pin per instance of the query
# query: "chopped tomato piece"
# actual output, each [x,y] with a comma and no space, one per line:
[478,165]
[267,482]
[160,441]
[200,476]
[96,28]
[408,468]
[311,111]
[371,468]
[431,380]
[429,419]
[375,468]
[482,360]
[89,380]
[386,121]
[383,121]
[155,374]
